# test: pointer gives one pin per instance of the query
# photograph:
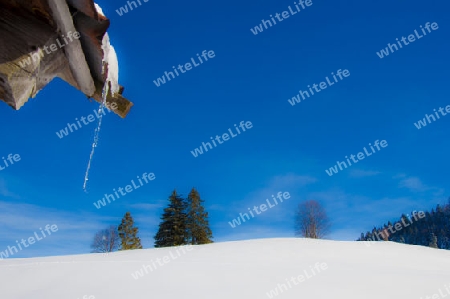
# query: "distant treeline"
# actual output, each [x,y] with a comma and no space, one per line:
[420,228]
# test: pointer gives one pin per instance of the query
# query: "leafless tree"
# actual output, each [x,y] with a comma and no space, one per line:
[106,240]
[311,220]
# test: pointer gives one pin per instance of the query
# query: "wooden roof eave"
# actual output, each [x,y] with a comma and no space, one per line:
[80,63]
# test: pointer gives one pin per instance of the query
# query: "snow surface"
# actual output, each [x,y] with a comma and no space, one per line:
[110,59]
[98,9]
[243,269]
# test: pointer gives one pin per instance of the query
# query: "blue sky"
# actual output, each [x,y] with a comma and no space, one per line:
[250,79]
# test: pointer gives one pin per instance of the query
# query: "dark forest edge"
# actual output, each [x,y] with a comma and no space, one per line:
[424,228]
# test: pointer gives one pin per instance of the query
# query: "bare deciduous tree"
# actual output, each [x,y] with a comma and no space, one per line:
[311,220]
[106,240]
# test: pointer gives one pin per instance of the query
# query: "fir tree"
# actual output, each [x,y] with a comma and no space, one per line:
[172,229]
[433,241]
[197,221]
[128,234]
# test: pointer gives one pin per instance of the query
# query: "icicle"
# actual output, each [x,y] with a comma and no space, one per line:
[97,132]
[111,71]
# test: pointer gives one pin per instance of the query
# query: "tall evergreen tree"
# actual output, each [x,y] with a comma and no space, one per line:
[433,241]
[172,229]
[197,220]
[128,234]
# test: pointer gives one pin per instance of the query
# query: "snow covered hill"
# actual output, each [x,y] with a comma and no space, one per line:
[265,268]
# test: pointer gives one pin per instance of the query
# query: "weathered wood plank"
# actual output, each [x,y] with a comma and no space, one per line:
[74,52]
[22,77]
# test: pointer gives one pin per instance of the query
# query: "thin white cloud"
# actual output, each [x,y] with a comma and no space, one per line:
[415,184]
[74,235]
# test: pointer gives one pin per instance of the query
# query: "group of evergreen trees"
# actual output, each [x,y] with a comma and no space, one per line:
[432,230]
[184,221]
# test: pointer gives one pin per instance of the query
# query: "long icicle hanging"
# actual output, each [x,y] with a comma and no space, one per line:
[97,132]
[111,73]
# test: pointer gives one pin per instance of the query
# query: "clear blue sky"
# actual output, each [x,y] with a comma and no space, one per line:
[250,78]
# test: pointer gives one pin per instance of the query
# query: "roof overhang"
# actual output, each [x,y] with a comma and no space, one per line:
[27,27]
